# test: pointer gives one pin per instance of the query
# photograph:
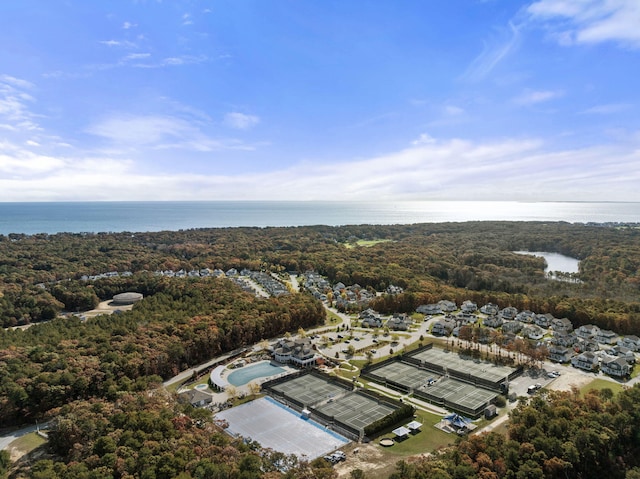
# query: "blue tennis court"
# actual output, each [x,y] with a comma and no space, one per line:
[282,429]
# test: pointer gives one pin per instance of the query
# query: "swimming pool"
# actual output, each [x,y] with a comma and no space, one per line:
[242,376]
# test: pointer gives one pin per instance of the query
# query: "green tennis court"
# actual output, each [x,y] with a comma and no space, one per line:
[310,389]
[410,376]
[454,362]
[356,410]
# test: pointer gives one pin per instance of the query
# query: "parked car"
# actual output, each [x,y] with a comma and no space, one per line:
[340,455]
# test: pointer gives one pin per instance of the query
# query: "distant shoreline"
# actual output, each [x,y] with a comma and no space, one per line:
[154,216]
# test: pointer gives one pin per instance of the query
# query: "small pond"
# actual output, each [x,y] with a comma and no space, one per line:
[556,262]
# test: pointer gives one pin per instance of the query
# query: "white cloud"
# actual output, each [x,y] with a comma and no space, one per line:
[15,112]
[424,139]
[16,162]
[128,25]
[145,60]
[590,21]
[118,43]
[167,62]
[136,56]
[509,169]
[241,121]
[16,82]
[140,130]
[451,110]
[532,97]
[493,52]
[161,132]
[607,109]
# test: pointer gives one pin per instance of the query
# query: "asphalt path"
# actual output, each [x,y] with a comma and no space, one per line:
[7,439]
[184,375]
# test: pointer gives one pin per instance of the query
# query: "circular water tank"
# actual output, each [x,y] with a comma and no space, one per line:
[124,299]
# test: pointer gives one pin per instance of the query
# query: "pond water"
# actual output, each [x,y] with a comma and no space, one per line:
[556,262]
[242,376]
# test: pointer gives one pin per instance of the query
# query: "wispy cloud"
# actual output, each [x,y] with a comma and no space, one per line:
[16,82]
[241,121]
[18,162]
[128,25]
[533,97]
[452,110]
[15,101]
[494,51]
[170,61]
[424,139]
[607,109]
[118,43]
[160,132]
[590,21]
[147,60]
[430,169]
[136,56]
[448,115]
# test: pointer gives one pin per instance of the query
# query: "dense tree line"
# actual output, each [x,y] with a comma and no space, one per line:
[115,424]
[564,435]
[425,259]
[404,412]
[183,323]
[149,436]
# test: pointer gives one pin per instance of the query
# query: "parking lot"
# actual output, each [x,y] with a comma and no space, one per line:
[365,339]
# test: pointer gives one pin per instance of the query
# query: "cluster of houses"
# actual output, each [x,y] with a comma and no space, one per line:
[588,347]
[204,272]
[347,298]
[591,348]
[344,297]
[271,285]
[372,319]
[110,274]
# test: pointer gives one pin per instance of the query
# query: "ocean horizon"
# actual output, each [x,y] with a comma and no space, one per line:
[148,216]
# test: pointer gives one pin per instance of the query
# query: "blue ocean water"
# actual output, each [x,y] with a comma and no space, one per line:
[94,217]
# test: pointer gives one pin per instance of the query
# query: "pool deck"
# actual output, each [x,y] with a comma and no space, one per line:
[218,375]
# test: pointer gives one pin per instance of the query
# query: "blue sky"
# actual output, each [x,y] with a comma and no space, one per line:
[320,100]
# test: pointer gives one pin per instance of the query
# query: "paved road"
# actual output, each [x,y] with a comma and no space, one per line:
[184,375]
[7,439]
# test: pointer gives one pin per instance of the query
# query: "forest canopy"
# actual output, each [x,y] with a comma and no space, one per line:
[91,375]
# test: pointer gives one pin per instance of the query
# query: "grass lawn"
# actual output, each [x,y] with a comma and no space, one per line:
[366,243]
[332,318]
[599,384]
[428,439]
[173,388]
[28,442]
